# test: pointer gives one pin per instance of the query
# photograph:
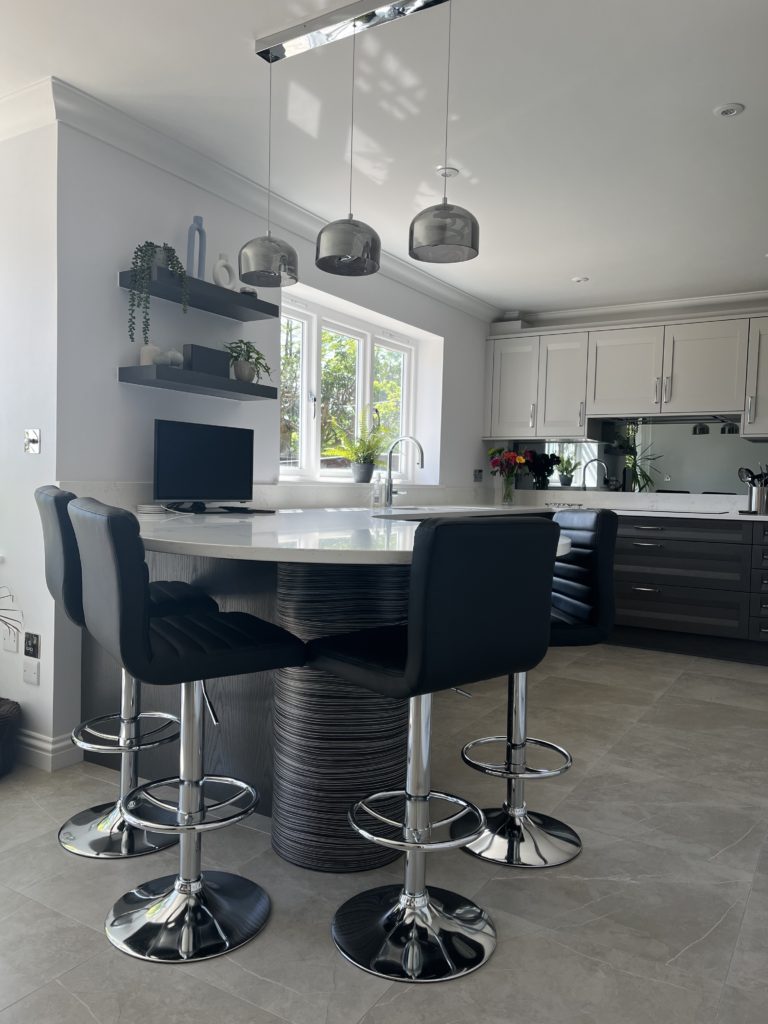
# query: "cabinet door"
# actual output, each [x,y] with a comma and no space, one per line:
[624,372]
[705,367]
[515,378]
[756,411]
[561,405]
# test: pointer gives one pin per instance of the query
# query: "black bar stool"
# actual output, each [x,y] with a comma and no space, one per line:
[457,613]
[582,613]
[193,915]
[102,831]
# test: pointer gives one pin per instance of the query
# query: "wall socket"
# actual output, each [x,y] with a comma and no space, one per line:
[31,671]
[31,645]
[477,476]
[11,641]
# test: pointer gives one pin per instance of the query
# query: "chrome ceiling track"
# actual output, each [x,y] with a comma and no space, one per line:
[336,25]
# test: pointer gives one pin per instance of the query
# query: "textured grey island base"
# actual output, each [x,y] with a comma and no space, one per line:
[663,919]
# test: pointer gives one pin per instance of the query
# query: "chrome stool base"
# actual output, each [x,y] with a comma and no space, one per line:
[435,937]
[530,840]
[102,831]
[168,921]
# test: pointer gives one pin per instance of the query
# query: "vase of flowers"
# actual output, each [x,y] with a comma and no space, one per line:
[541,466]
[506,464]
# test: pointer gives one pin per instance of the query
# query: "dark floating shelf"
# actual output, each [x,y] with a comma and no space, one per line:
[173,379]
[204,295]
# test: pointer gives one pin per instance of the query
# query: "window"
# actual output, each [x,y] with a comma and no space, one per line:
[334,371]
[581,452]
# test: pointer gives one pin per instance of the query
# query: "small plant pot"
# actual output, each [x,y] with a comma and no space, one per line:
[565,481]
[244,371]
[361,472]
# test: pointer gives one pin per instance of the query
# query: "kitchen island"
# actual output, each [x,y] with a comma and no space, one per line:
[315,571]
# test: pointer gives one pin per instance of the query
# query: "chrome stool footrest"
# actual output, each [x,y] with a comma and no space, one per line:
[420,839]
[501,771]
[153,729]
[153,807]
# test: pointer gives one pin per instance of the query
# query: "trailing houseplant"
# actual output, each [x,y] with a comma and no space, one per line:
[508,465]
[247,361]
[147,256]
[361,450]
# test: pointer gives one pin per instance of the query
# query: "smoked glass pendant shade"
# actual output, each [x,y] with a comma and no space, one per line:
[349,248]
[268,262]
[444,234]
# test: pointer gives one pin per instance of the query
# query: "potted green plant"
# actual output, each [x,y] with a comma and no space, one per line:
[247,361]
[363,450]
[637,461]
[146,257]
[566,469]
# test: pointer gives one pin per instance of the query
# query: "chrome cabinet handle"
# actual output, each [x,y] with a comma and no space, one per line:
[764,629]
[532,420]
[667,389]
[647,544]
[649,527]
[750,416]
[581,414]
[656,386]
[648,590]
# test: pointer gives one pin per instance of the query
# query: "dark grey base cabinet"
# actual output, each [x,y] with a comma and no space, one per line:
[690,576]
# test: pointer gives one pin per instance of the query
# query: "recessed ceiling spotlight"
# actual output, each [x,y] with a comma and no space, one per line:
[729,110]
[579,280]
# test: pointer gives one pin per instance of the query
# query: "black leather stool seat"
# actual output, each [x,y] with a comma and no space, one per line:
[171,597]
[582,591]
[372,658]
[188,647]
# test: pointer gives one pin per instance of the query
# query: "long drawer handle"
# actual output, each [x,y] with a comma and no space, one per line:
[649,527]
[646,544]
[647,590]
[764,629]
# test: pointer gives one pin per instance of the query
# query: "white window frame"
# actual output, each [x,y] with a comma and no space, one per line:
[315,317]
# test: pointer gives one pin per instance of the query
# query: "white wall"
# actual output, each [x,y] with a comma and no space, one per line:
[28,361]
[110,201]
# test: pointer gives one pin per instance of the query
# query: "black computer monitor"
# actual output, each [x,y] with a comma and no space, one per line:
[198,462]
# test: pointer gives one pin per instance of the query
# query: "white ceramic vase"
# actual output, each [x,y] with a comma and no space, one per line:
[224,274]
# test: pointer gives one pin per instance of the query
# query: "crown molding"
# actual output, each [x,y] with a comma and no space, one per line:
[26,109]
[53,100]
[664,310]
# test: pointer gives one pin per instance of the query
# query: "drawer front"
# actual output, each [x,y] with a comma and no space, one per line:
[702,530]
[760,533]
[758,630]
[683,563]
[655,605]
[760,581]
[760,557]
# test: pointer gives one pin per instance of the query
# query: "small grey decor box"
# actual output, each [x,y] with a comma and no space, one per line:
[206,360]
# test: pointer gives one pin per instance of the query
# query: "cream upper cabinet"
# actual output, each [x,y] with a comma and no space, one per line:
[704,367]
[755,422]
[624,372]
[561,406]
[514,387]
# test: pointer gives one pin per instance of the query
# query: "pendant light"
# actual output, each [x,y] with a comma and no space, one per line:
[266,261]
[445,233]
[349,247]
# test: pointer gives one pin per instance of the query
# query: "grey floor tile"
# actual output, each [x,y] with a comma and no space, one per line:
[740,1006]
[749,967]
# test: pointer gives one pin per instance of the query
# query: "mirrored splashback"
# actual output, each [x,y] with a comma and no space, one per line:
[698,458]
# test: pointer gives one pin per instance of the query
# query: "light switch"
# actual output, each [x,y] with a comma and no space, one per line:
[32,440]
[11,641]
[32,671]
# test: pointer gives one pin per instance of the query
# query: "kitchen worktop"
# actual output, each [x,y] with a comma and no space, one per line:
[352,536]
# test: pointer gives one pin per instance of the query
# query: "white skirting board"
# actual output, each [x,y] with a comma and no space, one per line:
[47,752]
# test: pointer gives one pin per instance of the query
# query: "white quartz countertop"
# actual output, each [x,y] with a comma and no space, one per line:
[661,514]
[351,536]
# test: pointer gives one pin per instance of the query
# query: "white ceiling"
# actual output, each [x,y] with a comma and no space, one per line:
[584,130]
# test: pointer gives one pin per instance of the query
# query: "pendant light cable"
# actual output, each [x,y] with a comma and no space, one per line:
[269,158]
[447,102]
[352,115]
